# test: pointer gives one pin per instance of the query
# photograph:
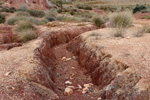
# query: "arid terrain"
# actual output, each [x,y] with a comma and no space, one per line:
[74,50]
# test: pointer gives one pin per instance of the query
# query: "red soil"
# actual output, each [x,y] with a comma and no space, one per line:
[35,4]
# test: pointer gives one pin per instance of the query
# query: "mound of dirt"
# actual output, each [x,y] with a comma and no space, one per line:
[27,72]
[119,66]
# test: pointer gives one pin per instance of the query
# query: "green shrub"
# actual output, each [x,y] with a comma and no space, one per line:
[123,19]
[87,7]
[13,19]
[23,25]
[17,16]
[146,17]
[21,13]
[72,13]
[98,21]
[22,8]
[139,8]
[5,9]
[26,35]
[12,9]
[51,15]
[36,13]
[2,18]
[43,21]
[59,11]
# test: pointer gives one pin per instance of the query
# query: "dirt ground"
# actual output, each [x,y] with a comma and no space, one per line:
[112,67]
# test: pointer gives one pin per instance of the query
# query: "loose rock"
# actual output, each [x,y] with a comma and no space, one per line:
[68,83]
[68,91]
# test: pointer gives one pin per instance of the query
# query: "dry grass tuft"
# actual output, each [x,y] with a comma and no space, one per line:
[122,19]
[119,32]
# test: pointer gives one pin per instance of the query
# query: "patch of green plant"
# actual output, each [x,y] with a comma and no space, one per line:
[139,8]
[22,8]
[122,19]
[98,21]
[23,25]
[26,35]
[51,15]
[119,32]
[2,18]
[146,17]
[86,7]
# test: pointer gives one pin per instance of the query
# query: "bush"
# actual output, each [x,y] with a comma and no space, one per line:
[22,8]
[59,11]
[139,8]
[123,19]
[23,25]
[98,21]
[36,13]
[51,15]
[43,21]
[26,35]
[21,13]
[5,9]
[12,9]
[72,13]
[141,32]
[86,7]
[2,19]
[146,17]
[13,19]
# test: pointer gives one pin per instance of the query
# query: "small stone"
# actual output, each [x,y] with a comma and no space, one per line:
[75,58]
[68,91]
[79,86]
[72,87]
[68,83]
[8,73]
[63,58]
[99,98]
[128,37]
[88,85]
[85,90]
[72,67]
[67,59]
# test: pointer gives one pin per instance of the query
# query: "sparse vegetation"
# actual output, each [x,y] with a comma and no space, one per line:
[119,32]
[143,30]
[122,19]
[17,16]
[86,7]
[2,18]
[13,19]
[51,15]
[98,21]
[139,8]
[23,8]
[36,13]
[26,35]
[146,17]
[23,25]
[24,31]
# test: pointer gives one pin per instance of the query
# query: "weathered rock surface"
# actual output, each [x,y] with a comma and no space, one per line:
[35,4]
